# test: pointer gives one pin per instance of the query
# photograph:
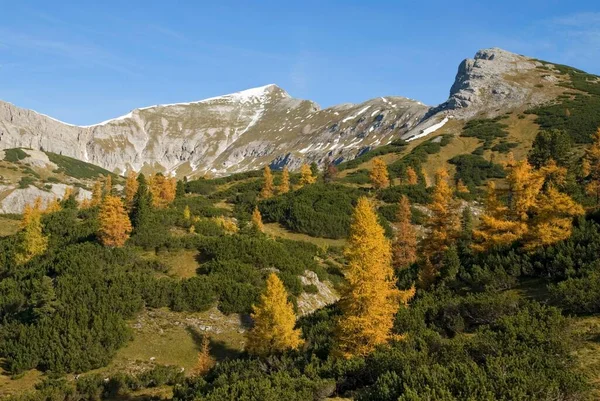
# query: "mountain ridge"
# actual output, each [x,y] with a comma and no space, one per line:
[265,125]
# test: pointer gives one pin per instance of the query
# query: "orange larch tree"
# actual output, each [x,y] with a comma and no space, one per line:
[306,176]
[284,185]
[114,223]
[411,176]
[256,220]
[379,174]
[268,188]
[131,187]
[404,248]
[163,190]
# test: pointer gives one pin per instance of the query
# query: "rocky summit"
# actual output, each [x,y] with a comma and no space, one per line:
[246,130]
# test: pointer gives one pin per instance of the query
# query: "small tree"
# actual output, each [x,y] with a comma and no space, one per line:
[404,248]
[267,189]
[32,241]
[379,174]
[257,222]
[131,187]
[274,321]
[115,225]
[96,193]
[284,185]
[306,176]
[411,176]
[205,361]
[163,190]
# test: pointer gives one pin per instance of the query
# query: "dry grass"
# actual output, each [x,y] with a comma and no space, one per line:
[173,338]
[8,226]
[276,230]
[182,263]
[22,383]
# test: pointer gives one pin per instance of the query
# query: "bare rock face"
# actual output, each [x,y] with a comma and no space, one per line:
[325,295]
[492,83]
[221,135]
[249,129]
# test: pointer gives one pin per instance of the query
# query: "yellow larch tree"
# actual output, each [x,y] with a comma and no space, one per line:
[404,248]
[306,176]
[495,229]
[370,299]
[256,220]
[411,176]
[379,175]
[444,222]
[274,322]
[461,188]
[284,185]
[131,187]
[32,240]
[553,218]
[108,187]
[96,193]
[163,190]
[52,206]
[524,186]
[205,361]
[114,223]
[267,189]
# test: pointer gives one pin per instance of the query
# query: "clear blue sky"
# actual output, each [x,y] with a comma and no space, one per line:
[83,62]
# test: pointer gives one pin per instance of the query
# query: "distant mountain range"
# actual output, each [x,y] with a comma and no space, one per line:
[265,125]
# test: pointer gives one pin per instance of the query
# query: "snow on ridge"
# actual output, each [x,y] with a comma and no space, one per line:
[352,117]
[123,117]
[429,130]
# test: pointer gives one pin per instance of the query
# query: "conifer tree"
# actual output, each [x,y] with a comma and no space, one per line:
[553,218]
[370,299]
[68,200]
[187,214]
[411,176]
[257,220]
[524,186]
[461,188]
[131,187]
[32,241]
[404,248]
[306,176]
[443,224]
[274,321]
[162,190]
[52,206]
[267,189]
[180,189]
[108,188]
[284,185]
[379,174]
[205,361]
[427,274]
[96,193]
[114,224]
[142,204]
[495,228]
[592,164]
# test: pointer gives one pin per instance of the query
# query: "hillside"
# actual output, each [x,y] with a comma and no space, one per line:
[497,289]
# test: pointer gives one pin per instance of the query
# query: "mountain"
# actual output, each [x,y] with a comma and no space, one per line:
[248,129]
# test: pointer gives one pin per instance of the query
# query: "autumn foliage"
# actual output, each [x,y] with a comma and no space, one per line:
[114,222]
[268,188]
[411,176]
[274,321]
[370,299]
[205,361]
[284,185]
[404,249]
[32,241]
[379,174]
[131,187]
[162,189]
[306,176]
[256,220]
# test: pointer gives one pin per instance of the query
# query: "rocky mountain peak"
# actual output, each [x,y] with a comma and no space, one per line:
[494,80]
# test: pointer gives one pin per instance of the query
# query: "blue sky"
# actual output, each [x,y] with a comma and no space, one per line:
[83,62]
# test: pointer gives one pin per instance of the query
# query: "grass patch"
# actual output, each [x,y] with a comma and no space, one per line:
[277,230]
[8,226]
[182,263]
